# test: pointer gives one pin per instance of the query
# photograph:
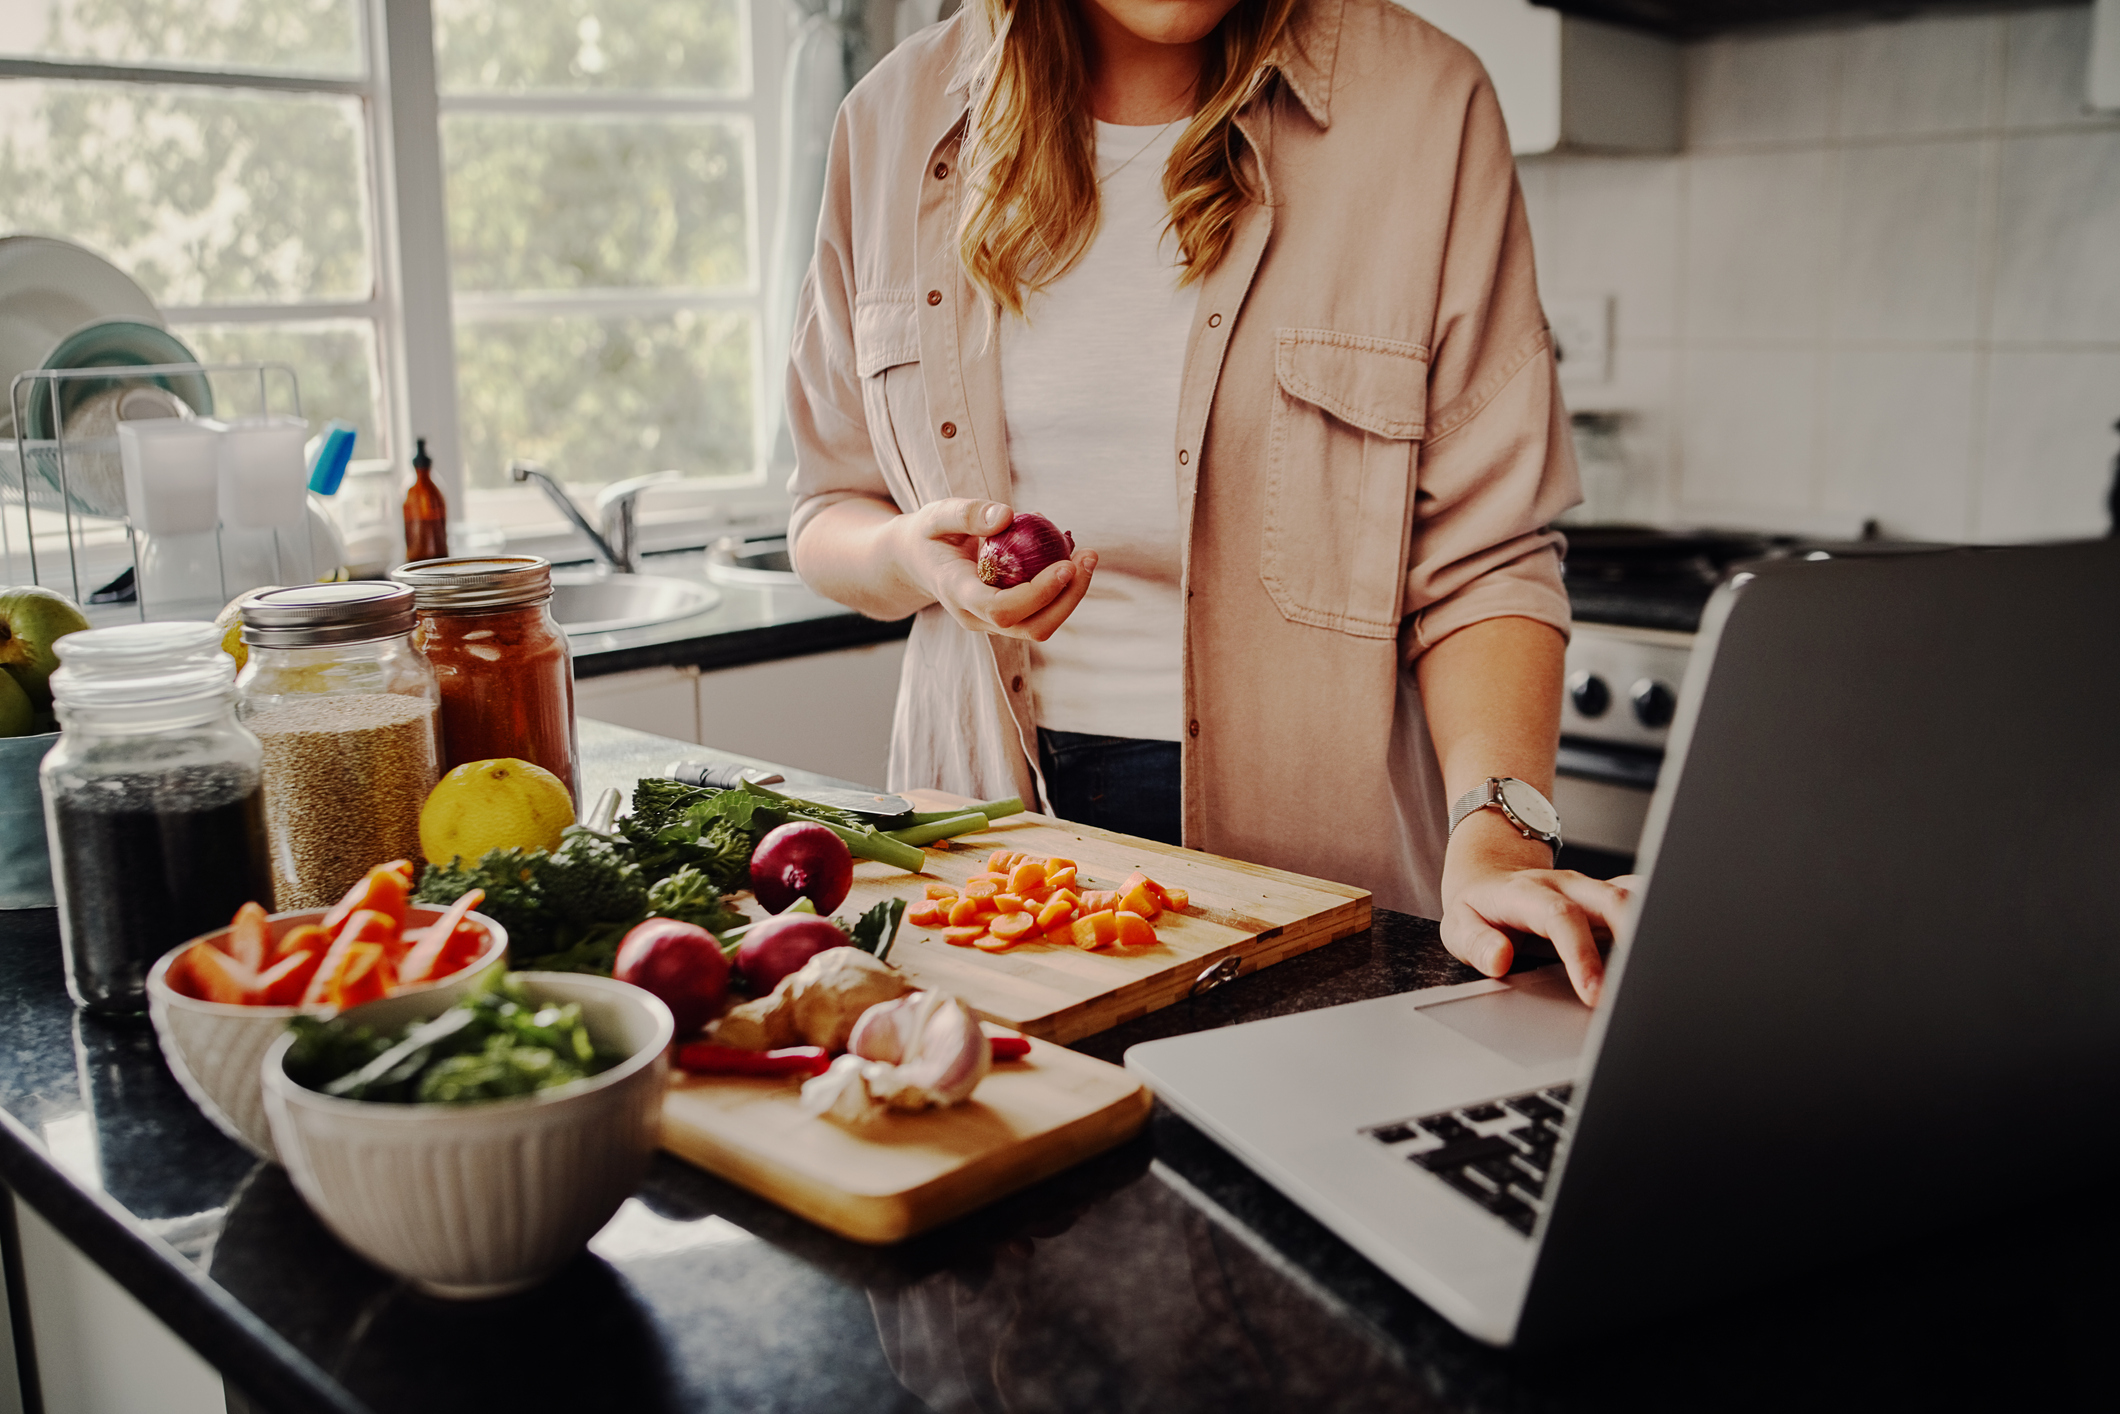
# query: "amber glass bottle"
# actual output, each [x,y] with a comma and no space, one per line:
[426,515]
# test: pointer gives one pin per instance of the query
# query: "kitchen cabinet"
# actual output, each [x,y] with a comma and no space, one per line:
[1566,82]
[827,712]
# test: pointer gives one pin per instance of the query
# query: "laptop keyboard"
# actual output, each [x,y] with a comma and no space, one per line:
[1498,1154]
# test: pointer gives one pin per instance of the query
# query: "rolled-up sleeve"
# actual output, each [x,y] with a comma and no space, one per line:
[835,459]
[1497,465]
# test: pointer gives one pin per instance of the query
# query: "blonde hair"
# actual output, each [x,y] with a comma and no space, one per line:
[1030,153]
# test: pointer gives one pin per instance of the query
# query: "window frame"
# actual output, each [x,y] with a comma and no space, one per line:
[411,302]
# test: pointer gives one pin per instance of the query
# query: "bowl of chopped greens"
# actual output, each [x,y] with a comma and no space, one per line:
[473,1148]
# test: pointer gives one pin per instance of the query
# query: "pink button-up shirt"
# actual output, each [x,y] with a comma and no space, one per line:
[1369,447]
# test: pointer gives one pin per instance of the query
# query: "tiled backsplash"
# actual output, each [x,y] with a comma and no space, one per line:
[1882,281]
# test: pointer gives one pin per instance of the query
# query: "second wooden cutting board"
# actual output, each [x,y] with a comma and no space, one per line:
[1253,914]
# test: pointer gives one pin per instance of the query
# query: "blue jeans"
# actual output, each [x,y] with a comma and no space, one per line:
[1117,783]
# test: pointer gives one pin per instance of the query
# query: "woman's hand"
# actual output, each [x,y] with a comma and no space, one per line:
[1499,887]
[937,547]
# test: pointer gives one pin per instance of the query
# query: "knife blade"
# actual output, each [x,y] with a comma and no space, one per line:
[722,775]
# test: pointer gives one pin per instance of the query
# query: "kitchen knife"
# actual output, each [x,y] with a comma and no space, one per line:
[728,776]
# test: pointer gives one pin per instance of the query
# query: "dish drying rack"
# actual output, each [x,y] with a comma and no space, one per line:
[79,479]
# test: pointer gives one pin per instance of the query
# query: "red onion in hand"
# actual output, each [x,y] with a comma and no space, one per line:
[1017,554]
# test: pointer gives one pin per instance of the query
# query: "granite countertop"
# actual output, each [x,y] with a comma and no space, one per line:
[1162,1276]
[748,624]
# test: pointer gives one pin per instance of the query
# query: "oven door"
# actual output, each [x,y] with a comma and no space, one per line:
[1616,708]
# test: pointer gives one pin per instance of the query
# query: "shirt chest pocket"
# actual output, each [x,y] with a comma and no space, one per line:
[894,397]
[1343,452]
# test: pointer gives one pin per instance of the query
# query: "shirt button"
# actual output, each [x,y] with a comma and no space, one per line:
[1015,684]
[1192,728]
[934,297]
[949,429]
[1184,457]
[1214,321]
[942,169]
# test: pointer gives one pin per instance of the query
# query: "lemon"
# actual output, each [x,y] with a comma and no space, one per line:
[500,804]
[230,622]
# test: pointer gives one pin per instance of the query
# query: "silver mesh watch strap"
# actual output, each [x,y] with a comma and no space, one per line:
[1488,793]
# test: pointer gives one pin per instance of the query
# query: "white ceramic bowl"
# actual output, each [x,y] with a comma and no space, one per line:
[476,1200]
[214,1048]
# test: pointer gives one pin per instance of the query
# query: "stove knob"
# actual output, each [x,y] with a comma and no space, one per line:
[1654,703]
[1589,693]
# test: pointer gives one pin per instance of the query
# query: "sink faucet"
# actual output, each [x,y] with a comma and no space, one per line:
[617,505]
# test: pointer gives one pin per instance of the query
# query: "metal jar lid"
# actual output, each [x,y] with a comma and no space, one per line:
[478,581]
[320,615]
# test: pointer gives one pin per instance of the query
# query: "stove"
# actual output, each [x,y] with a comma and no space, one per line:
[1637,594]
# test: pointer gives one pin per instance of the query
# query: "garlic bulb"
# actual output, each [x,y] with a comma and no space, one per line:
[921,1051]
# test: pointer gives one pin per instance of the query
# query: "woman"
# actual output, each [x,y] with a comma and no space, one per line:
[1293,385]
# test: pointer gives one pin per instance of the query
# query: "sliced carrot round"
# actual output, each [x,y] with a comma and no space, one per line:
[928,913]
[964,937]
[1133,930]
[1012,926]
[965,912]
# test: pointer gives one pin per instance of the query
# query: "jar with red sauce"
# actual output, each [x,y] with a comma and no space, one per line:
[506,677]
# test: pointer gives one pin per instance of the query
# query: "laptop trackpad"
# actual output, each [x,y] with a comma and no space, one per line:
[1536,1022]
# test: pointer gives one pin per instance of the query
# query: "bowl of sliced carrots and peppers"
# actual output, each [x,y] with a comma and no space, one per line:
[219,1001]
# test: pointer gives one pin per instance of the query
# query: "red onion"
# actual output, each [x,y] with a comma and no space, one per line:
[679,962]
[1017,554]
[774,948]
[801,859]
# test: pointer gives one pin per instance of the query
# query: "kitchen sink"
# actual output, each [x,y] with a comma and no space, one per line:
[763,563]
[606,603]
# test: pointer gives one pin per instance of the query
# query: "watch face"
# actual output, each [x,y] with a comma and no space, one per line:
[1531,807]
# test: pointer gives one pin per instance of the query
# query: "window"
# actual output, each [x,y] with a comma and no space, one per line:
[272,172]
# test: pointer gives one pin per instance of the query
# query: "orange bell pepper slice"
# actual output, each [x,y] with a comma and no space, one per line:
[303,937]
[363,977]
[283,983]
[249,937]
[383,889]
[362,926]
[206,973]
[420,964]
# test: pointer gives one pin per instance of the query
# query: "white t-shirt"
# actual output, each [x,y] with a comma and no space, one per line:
[1090,384]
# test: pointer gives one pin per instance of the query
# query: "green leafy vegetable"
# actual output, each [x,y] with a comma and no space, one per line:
[877,929]
[565,911]
[495,1043]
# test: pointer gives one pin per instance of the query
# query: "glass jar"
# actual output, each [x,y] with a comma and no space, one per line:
[507,679]
[153,800]
[346,710]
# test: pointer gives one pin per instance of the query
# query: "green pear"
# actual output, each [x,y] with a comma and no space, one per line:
[18,716]
[31,621]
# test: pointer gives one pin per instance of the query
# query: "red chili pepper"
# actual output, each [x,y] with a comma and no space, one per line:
[705,1058]
[1011,1047]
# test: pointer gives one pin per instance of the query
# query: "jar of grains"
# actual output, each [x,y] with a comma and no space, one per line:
[152,803]
[507,680]
[345,708]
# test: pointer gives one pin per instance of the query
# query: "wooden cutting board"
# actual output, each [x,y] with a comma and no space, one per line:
[905,1173]
[1060,993]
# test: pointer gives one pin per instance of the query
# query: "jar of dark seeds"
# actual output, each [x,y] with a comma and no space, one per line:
[152,801]
[345,708]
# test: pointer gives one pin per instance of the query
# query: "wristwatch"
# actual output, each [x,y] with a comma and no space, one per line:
[1521,805]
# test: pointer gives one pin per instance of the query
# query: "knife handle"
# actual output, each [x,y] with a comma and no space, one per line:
[719,775]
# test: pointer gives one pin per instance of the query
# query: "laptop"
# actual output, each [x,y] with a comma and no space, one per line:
[1871,986]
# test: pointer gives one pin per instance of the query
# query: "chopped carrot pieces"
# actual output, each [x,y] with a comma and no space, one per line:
[1027,875]
[248,942]
[998,861]
[928,913]
[1095,930]
[964,912]
[963,937]
[1175,900]
[1006,903]
[987,942]
[1060,878]
[1056,864]
[1133,930]
[1055,913]
[1074,900]
[1038,895]
[1012,926]
[942,891]
[1139,900]
[983,886]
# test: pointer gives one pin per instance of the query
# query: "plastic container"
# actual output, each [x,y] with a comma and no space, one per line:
[345,708]
[506,676]
[172,472]
[263,484]
[154,803]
